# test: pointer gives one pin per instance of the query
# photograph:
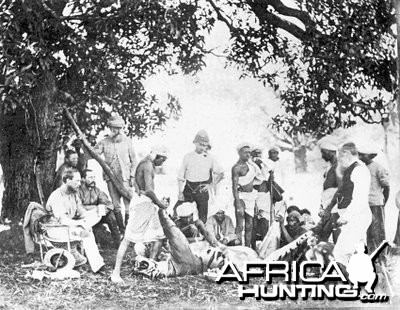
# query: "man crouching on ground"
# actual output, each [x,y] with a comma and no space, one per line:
[143,225]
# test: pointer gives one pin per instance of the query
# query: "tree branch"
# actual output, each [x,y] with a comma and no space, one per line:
[260,8]
[221,17]
[282,9]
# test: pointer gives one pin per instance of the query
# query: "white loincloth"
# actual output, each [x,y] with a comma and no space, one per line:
[249,200]
[143,224]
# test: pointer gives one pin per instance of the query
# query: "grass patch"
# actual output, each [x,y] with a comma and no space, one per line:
[95,291]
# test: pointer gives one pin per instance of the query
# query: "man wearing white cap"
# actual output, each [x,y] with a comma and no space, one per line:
[221,227]
[275,164]
[143,224]
[378,194]
[120,156]
[196,175]
[193,230]
[354,212]
[328,212]
[243,174]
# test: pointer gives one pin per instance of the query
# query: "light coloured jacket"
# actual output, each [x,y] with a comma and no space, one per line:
[119,155]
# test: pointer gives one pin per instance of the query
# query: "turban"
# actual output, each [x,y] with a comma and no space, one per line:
[242,145]
[255,147]
[367,148]
[274,148]
[116,121]
[202,136]
[328,146]
[297,215]
[159,150]
[185,209]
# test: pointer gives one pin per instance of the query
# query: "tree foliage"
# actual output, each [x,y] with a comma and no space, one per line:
[100,53]
[92,56]
[330,61]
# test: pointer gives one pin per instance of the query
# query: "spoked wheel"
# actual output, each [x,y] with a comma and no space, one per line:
[59,259]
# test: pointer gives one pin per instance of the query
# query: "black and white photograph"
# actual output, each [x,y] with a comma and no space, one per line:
[199,154]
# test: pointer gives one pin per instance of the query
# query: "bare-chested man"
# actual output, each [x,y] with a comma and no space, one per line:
[243,175]
[144,224]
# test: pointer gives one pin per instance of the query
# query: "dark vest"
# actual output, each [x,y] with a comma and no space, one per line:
[345,193]
[330,178]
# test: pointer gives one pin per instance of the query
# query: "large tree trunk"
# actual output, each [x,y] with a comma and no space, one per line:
[28,150]
[17,155]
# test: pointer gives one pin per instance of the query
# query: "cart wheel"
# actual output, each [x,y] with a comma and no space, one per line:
[59,259]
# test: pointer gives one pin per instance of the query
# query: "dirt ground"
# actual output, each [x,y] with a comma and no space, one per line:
[95,291]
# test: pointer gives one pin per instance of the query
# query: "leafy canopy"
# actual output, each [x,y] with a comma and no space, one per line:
[99,53]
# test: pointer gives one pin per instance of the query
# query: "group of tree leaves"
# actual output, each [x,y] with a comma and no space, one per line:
[100,53]
[330,61]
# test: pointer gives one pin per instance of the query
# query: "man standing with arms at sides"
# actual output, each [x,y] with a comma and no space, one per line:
[354,212]
[70,163]
[196,175]
[243,174]
[378,196]
[328,212]
[263,202]
[120,156]
[144,224]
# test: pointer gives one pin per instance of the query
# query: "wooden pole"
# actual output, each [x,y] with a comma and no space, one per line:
[118,185]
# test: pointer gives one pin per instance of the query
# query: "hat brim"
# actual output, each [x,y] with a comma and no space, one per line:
[116,124]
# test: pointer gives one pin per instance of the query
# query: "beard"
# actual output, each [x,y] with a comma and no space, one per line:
[72,189]
[91,184]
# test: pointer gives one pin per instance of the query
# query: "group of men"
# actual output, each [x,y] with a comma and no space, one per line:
[355,191]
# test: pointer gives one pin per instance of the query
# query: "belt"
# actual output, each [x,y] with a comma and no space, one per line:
[195,186]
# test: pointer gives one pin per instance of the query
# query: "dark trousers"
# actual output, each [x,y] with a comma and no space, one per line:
[111,222]
[191,193]
[376,231]
[327,226]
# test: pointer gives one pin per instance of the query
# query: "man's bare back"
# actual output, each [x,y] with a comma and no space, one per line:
[144,176]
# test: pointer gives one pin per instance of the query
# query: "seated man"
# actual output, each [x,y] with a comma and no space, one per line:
[293,229]
[221,227]
[98,205]
[67,209]
[191,229]
[182,260]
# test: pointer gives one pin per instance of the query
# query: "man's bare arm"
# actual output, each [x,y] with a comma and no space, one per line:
[235,182]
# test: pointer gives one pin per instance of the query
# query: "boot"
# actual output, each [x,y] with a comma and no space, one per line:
[79,258]
[112,225]
[120,221]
